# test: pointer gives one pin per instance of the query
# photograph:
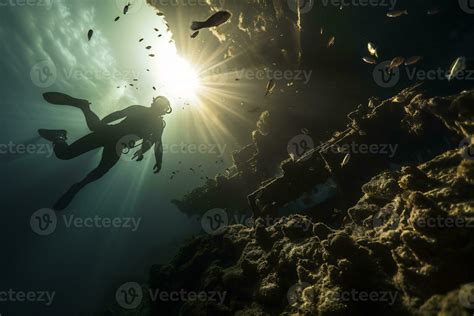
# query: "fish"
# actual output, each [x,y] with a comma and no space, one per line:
[89,34]
[154,88]
[157,30]
[270,87]
[160,14]
[141,40]
[151,55]
[346,159]
[413,60]
[370,60]
[215,20]
[125,9]
[372,49]
[195,34]
[396,14]
[117,18]
[148,47]
[458,66]
[396,62]
[332,41]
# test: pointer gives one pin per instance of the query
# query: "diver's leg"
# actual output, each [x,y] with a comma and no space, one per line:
[85,144]
[92,120]
[109,158]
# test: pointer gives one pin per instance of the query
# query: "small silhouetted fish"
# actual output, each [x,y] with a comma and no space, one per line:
[135,79]
[117,18]
[89,34]
[346,160]
[148,47]
[159,14]
[160,35]
[332,41]
[141,40]
[215,20]
[413,60]
[195,34]
[154,88]
[125,9]
[458,66]
[152,55]
[396,62]
[131,85]
[270,87]
[370,60]
[148,70]
[156,30]
[433,11]
[372,49]
[396,14]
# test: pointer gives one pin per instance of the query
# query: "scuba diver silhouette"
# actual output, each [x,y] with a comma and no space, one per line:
[145,123]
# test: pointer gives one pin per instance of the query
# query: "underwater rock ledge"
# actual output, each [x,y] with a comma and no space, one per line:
[405,248]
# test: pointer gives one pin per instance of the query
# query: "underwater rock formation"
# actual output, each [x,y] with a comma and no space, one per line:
[411,127]
[405,248]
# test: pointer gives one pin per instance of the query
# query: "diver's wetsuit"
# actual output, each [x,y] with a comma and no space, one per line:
[138,121]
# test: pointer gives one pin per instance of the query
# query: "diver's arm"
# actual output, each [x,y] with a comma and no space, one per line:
[146,146]
[158,156]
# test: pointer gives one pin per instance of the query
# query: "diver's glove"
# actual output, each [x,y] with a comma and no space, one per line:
[157,168]
[139,155]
